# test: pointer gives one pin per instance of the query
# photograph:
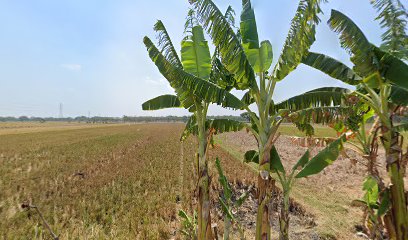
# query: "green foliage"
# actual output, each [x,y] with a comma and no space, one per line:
[399,96]
[302,161]
[195,54]
[230,16]
[370,186]
[331,67]
[385,203]
[188,224]
[321,97]
[217,125]
[243,56]
[227,199]
[259,55]
[300,37]
[401,127]
[228,202]
[166,45]
[220,75]
[393,17]
[160,102]
[225,125]
[372,196]
[223,180]
[393,69]
[369,61]
[320,115]
[190,128]
[247,98]
[276,163]
[227,42]
[251,156]
[187,84]
[373,80]
[354,40]
[265,56]
[306,128]
[248,29]
[324,158]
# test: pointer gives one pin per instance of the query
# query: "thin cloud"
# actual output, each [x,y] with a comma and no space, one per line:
[72,67]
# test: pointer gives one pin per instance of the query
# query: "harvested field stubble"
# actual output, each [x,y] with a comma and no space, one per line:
[129,181]
[96,183]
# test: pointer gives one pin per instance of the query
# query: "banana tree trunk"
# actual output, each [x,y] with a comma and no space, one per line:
[399,213]
[263,229]
[265,187]
[284,217]
[204,202]
[204,217]
[266,183]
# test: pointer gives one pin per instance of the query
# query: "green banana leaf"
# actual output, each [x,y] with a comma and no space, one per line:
[323,159]
[160,102]
[218,125]
[227,42]
[399,96]
[251,156]
[393,69]
[166,45]
[331,67]
[354,40]
[302,161]
[300,37]
[223,180]
[190,128]
[265,56]
[403,127]
[275,161]
[242,198]
[195,54]
[187,84]
[225,125]
[320,97]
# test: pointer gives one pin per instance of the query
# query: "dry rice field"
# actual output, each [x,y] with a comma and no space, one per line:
[128,181]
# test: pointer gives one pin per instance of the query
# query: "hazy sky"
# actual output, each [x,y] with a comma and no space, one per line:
[89,54]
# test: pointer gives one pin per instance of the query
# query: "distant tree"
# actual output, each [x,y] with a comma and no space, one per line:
[23,119]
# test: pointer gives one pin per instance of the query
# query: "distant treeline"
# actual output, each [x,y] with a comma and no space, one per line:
[110,119]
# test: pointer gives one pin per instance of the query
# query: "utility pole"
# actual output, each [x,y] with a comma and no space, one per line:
[60,111]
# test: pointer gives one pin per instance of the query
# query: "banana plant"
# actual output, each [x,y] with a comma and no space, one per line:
[393,17]
[376,203]
[228,203]
[188,224]
[381,80]
[366,144]
[304,167]
[249,60]
[194,79]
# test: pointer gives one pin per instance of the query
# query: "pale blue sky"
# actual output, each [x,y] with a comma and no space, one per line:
[89,55]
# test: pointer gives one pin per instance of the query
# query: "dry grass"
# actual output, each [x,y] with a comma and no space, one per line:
[320,131]
[31,127]
[96,183]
